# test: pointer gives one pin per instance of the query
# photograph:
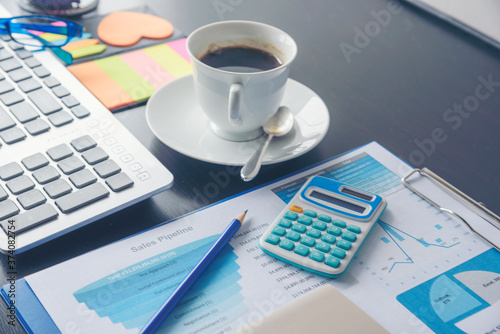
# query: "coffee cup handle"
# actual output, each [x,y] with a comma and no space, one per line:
[234,104]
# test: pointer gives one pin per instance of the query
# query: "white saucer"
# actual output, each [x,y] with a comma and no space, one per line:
[176,119]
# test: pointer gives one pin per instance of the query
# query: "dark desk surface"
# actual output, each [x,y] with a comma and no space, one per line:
[425,90]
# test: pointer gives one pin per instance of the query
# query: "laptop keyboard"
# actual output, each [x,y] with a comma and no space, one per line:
[63,163]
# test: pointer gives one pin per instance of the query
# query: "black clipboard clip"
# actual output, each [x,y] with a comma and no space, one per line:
[477,207]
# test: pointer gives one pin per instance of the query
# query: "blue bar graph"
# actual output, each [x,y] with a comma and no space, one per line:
[132,295]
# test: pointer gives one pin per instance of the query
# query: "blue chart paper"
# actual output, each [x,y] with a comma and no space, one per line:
[131,296]
[454,295]
[362,171]
[420,270]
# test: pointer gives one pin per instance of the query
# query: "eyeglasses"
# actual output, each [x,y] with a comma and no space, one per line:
[42,31]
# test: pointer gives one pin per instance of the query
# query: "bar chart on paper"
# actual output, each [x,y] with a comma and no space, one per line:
[132,295]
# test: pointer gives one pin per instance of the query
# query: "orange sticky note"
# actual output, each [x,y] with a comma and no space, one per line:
[111,94]
[127,28]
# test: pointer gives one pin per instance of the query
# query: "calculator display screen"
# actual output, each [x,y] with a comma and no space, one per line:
[337,201]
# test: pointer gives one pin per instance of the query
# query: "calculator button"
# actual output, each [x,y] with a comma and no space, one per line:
[305,220]
[301,250]
[272,239]
[344,244]
[285,223]
[294,236]
[349,236]
[354,229]
[317,256]
[296,208]
[332,262]
[286,244]
[339,223]
[314,233]
[308,241]
[328,238]
[280,231]
[325,218]
[310,213]
[299,228]
[323,246]
[319,225]
[291,215]
[334,230]
[337,252]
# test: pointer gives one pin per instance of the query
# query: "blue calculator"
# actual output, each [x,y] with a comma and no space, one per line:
[323,226]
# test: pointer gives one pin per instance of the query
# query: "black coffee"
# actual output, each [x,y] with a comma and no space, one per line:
[240,59]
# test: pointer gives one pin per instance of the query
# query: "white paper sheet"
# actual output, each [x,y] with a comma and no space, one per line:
[413,251]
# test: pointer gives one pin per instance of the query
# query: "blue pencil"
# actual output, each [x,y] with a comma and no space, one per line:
[186,284]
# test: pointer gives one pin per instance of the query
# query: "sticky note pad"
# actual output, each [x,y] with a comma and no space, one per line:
[132,77]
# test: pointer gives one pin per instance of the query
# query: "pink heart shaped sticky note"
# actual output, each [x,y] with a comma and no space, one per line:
[127,28]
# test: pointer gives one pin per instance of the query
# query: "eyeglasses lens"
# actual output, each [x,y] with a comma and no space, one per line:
[39,31]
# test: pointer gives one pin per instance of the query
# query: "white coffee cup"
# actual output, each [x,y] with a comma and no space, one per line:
[238,103]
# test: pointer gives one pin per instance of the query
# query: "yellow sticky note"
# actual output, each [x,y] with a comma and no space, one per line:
[88,51]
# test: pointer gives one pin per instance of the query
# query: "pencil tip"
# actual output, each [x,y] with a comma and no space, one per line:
[242,216]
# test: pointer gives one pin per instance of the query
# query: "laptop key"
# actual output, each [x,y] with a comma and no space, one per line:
[107,168]
[59,152]
[37,127]
[3,194]
[12,135]
[24,112]
[82,178]
[119,182]
[23,53]
[41,71]
[8,209]
[32,218]
[83,143]
[10,171]
[4,54]
[32,62]
[70,101]
[5,87]
[57,188]
[80,111]
[60,91]
[20,184]
[46,174]
[60,118]
[44,101]
[70,165]
[35,161]
[10,65]
[5,120]
[51,82]
[29,85]
[11,98]
[95,155]
[82,197]
[31,198]
[19,75]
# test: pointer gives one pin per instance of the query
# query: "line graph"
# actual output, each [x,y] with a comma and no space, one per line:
[398,239]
